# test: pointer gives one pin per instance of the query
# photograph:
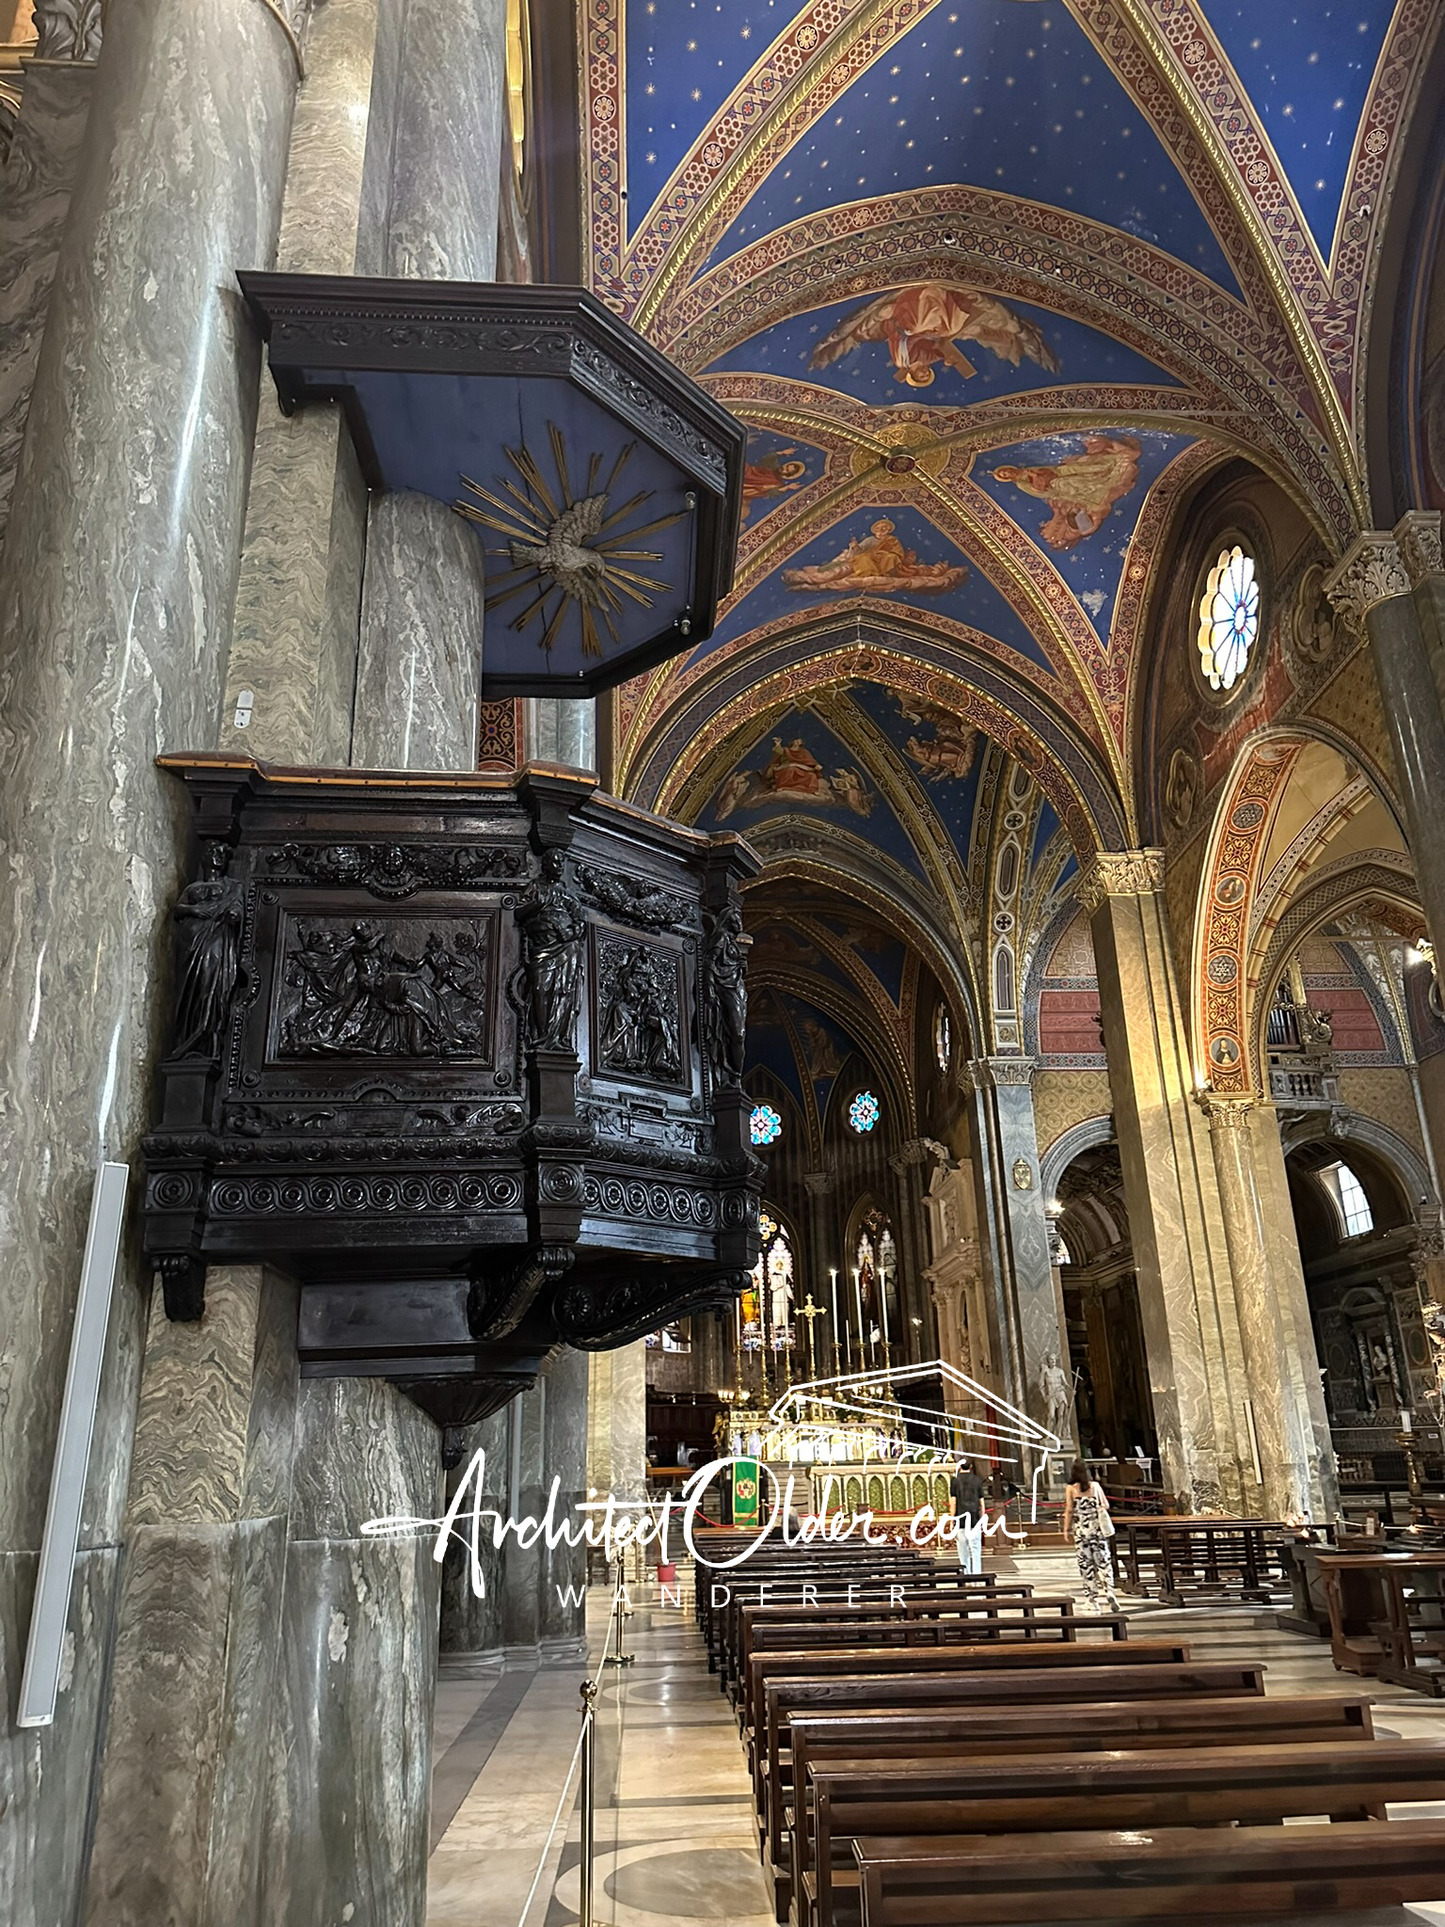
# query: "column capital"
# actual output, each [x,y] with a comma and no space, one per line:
[996,1073]
[819,1184]
[1371,571]
[1225,1113]
[67,29]
[1417,534]
[1119,873]
[921,1150]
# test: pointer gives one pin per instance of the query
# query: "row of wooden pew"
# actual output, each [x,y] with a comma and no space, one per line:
[929,1749]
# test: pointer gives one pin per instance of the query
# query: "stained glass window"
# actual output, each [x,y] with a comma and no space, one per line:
[942,1037]
[1228,618]
[864,1112]
[765,1126]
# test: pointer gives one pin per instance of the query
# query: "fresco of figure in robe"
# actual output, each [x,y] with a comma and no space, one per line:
[924,324]
[1081,489]
[877,564]
[777,473]
[793,774]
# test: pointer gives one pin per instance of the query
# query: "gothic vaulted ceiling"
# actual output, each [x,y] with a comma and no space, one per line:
[991,283]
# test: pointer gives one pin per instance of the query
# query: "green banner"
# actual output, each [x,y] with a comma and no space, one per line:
[745,1492]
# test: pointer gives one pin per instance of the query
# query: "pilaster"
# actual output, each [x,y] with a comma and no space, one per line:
[1196,1368]
[1282,1435]
[1031,1306]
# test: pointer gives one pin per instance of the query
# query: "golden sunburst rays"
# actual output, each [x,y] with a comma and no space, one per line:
[565,547]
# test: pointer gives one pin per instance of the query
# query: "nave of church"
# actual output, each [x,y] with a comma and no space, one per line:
[722,727]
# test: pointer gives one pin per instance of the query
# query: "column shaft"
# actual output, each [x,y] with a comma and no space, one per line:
[116,586]
[1175,1221]
[1289,1475]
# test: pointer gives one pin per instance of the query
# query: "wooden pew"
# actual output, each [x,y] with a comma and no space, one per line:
[1306,1871]
[831,1739]
[1048,1687]
[875,1571]
[997,1654]
[821,1600]
[1054,1791]
[912,1633]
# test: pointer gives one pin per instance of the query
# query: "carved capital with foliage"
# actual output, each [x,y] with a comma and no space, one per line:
[1418,535]
[1370,572]
[1119,873]
[67,29]
[996,1073]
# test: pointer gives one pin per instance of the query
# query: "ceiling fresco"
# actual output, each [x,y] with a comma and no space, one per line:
[994,285]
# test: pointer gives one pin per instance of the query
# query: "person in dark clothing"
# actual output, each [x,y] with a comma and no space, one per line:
[967,1508]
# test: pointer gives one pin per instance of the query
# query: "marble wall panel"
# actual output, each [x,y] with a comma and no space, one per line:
[34,200]
[447,159]
[419,667]
[45,1771]
[116,587]
[470,1624]
[561,729]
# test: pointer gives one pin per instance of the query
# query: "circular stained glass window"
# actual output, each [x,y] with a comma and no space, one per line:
[765,1126]
[1228,618]
[863,1112]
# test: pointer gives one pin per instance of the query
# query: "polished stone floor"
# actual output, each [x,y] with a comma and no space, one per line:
[675,1840]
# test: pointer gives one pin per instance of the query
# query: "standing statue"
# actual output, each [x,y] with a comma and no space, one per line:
[552,926]
[727,995]
[1058,1395]
[208,917]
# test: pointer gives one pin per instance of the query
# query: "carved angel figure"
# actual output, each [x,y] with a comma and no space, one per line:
[208,918]
[552,926]
[727,995]
[923,325]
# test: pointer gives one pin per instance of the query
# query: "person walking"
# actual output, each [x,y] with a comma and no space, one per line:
[1087,1522]
[966,1506]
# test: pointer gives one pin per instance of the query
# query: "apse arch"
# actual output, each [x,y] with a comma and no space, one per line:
[1318,904]
[1083,1136]
[798,663]
[1406,1166]
[1226,957]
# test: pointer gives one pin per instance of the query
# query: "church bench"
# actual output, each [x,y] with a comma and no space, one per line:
[823,1601]
[876,1572]
[1307,1871]
[994,1654]
[1057,1790]
[769,1755]
[1061,1625]
[825,1739]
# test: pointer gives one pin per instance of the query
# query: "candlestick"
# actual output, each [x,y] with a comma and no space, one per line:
[833,1281]
[858,1295]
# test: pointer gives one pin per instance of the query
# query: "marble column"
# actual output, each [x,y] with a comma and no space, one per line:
[471,1622]
[1375,587]
[1033,1306]
[561,1613]
[617,1421]
[419,664]
[1285,1269]
[349,1784]
[562,730]
[1191,1336]
[182,1794]
[1287,1479]
[35,187]
[116,585]
[291,678]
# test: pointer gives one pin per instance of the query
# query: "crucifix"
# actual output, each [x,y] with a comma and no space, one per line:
[810,1311]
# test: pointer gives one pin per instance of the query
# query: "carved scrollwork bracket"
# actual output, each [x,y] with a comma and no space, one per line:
[499,1300]
[605,1306]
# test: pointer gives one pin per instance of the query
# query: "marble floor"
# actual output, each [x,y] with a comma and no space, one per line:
[674,1834]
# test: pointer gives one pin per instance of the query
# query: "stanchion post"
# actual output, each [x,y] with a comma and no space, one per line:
[589,1795]
[621,1657]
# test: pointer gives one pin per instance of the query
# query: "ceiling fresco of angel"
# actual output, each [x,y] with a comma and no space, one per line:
[994,287]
